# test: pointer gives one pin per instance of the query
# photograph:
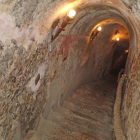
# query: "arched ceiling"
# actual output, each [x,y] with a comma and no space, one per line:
[33,20]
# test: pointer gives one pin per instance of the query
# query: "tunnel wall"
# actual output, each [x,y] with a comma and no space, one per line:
[130,111]
[33,78]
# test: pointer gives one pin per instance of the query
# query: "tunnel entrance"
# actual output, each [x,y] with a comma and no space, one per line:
[121,51]
[108,48]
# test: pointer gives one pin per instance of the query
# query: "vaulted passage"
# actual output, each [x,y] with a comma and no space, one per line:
[87,114]
[59,74]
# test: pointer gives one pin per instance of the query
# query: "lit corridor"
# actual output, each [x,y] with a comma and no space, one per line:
[69,69]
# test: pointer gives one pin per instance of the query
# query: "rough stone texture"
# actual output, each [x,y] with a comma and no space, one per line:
[130,106]
[26,52]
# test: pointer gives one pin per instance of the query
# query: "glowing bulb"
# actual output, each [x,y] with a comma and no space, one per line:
[99,28]
[126,51]
[117,39]
[72,13]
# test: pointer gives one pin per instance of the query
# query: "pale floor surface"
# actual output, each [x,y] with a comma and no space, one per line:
[87,115]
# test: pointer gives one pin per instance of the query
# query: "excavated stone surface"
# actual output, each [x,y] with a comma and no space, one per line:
[32,69]
[87,115]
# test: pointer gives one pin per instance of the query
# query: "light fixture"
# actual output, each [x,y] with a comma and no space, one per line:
[99,29]
[117,39]
[71,13]
[95,32]
[126,51]
[66,20]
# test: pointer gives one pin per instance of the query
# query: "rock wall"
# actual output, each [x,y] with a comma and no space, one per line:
[36,75]
[130,105]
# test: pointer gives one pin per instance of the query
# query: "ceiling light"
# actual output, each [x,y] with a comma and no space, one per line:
[126,51]
[71,13]
[99,28]
[118,39]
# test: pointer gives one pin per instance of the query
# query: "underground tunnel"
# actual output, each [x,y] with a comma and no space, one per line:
[61,76]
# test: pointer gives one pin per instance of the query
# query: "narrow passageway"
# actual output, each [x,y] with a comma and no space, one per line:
[61,63]
[87,115]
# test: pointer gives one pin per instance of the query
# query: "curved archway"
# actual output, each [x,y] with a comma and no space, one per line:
[39,69]
[85,23]
[90,16]
[95,55]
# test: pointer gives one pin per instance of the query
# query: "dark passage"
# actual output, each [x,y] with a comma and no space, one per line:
[119,57]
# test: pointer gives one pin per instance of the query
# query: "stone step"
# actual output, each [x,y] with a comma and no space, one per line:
[94,98]
[49,130]
[100,131]
[104,84]
[101,88]
[92,93]
[87,115]
[97,116]
[69,125]
[92,106]
[97,93]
